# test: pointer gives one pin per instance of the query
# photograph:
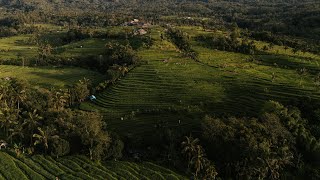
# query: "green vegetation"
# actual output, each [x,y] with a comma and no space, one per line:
[142,90]
[77,167]
[171,92]
[58,77]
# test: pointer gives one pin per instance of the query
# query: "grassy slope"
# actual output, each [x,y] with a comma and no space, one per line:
[11,47]
[72,167]
[180,89]
[224,83]
[15,46]
[40,167]
[49,76]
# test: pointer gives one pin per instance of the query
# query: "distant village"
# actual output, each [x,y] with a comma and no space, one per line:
[140,26]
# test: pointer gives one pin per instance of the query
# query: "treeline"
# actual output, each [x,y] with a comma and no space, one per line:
[179,39]
[43,121]
[298,45]
[11,26]
[249,148]
[46,56]
[65,18]
[301,22]
[228,43]
[300,18]
[278,144]
[80,33]
[115,62]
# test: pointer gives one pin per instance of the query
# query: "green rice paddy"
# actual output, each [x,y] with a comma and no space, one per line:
[168,89]
[40,167]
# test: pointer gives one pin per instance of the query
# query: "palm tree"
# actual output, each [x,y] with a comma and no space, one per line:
[123,70]
[8,119]
[31,123]
[198,160]
[16,131]
[44,136]
[44,51]
[18,148]
[60,99]
[210,173]
[189,147]
[20,97]
[80,91]
[18,92]
[85,81]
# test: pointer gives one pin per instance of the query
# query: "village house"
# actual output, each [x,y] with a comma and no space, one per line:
[137,22]
[140,32]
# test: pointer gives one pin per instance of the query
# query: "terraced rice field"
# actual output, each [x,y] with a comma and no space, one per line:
[79,167]
[10,47]
[49,76]
[89,47]
[180,91]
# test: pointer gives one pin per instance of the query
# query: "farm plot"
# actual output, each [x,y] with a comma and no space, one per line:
[49,76]
[79,167]
[12,47]
[182,91]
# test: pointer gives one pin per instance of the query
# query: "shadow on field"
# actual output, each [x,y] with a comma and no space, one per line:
[65,76]
[288,62]
[247,97]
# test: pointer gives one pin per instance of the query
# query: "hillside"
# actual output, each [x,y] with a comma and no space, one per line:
[221,83]
[166,91]
[183,89]
[79,167]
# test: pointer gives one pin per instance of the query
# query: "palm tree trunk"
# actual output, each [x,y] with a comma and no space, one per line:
[31,141]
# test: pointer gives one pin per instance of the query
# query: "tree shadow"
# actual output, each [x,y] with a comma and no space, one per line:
[287,62]
[65,77]
[245,98]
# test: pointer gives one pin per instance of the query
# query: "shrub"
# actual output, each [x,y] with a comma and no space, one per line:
[178,38]
[226,43]
[116,148]
[60,147]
